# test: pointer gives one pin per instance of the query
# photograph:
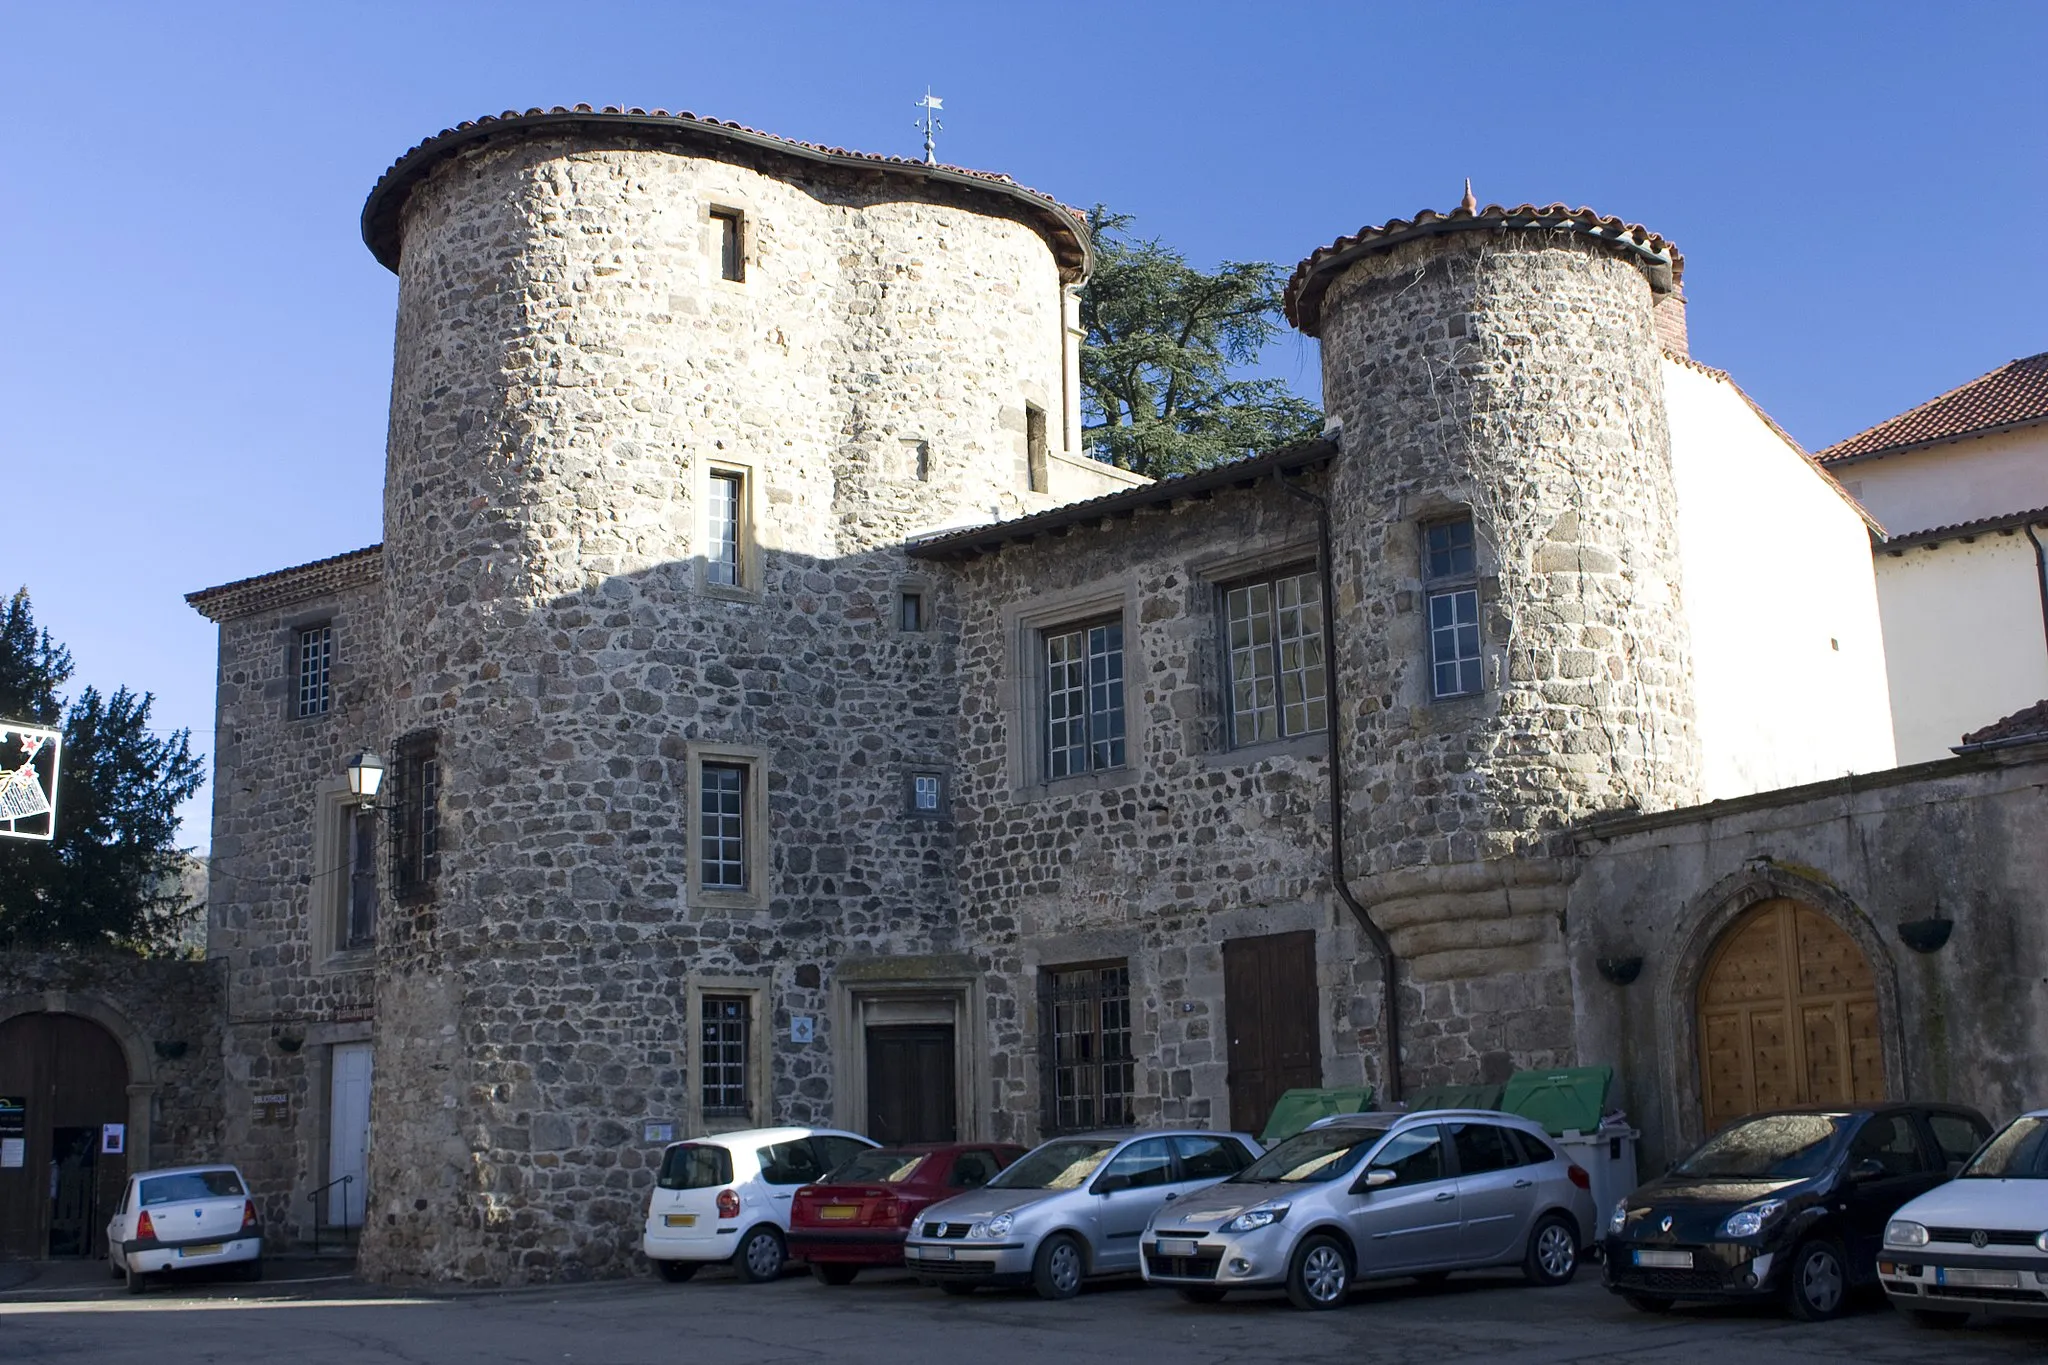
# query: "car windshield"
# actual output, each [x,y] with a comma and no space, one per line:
[2020,1152]
[1774,1147]
[1316,1155]
[878,1165]
[1065,1164]
[176,1189]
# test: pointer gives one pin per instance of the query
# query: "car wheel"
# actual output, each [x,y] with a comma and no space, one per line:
[1201,1295]
[1319,1276]
[1553,1256]
[1057,1270]
[825,1272]
[1819,1282]
[955,1288]
[760,1256]
[137,1281]
[1647,1303]
[676,1272]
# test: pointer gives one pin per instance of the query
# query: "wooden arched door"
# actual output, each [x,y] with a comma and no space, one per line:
[65,1079]
[1787,1015]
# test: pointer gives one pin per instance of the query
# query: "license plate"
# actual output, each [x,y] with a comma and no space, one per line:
[839,1212]
[1176,1247]
[1977,1279]
[1664,1260]
[679,1220]
[935,1253]
[210,1249]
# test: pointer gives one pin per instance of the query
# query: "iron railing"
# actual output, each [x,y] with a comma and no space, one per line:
[342,1180]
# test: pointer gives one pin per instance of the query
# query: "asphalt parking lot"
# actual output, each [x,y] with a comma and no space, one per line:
[314,1318]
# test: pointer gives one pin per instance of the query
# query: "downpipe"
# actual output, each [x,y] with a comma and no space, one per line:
[2040,572]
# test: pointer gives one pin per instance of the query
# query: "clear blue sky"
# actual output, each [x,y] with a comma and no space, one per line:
[196,350]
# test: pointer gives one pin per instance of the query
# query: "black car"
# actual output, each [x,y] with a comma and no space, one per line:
[1790,1203]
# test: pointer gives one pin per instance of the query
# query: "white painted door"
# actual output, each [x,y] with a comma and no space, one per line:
[348,1146]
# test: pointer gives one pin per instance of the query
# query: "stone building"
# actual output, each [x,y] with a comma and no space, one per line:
[785,720]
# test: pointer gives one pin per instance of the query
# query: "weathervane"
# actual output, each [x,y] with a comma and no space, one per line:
[931,104]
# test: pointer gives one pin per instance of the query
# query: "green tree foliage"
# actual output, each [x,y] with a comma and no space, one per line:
[109,876]
[1159,395]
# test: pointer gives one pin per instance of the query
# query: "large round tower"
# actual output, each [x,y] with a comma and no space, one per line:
[1514,648]
[667,397]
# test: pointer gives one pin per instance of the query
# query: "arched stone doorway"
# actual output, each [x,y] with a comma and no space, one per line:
[67,1079]
[1787,1014]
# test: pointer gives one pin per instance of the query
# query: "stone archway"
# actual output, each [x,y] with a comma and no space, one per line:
[64,1156]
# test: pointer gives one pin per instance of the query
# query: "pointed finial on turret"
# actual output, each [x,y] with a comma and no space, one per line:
[1468,203]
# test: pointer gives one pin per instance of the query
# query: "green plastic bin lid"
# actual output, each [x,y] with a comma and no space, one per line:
[1456,1097]
[1569,1098]
[1297,1109]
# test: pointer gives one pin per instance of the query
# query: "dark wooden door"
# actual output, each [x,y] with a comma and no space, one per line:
[72,1079]
[910,1084]
[1270,1007]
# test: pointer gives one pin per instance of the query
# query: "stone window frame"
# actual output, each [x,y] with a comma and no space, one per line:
[754,817]
[1269,574]
[723,204]
[721,465]
[1210,577]
[1026,626]
[758,991]
[1434,586]
[944,811]
[335,811]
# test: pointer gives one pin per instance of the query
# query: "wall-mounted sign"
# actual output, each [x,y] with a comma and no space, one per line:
[802,1028]
[275,1107]
[658,1132]
[13,1128]
[113,1139]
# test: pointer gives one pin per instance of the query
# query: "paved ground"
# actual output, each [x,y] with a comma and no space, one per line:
[302,1316]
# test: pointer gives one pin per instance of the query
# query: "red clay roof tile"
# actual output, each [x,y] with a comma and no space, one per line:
[2014,394]
[2030,723]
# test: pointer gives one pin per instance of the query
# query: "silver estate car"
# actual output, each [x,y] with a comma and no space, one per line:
[1067,1210]
[1368,1196]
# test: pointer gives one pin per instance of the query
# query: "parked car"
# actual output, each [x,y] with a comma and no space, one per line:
[860,1213]
[184,1218]
[1790,1203]
[1373,1196]
[1069,1209]
[727,1197]
[1977,1241]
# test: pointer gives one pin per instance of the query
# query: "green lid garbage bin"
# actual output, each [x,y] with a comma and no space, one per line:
[1566,1100]
[1297,1109]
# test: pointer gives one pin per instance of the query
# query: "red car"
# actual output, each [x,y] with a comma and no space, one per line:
[859,1215]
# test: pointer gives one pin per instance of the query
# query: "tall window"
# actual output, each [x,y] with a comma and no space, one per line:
[1089,1075]
[358,926]
[315,655]
[1450,573]
[416,791]
[722,1059]
[1036,474]
[1276,657]
[727,492]
[732,258]
[722,827]
[1084,699]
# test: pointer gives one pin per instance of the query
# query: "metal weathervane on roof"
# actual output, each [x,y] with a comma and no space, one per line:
[28,780]
[931,104]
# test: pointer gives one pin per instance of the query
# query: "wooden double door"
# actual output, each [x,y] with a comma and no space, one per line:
[911,1094]
[1787,1015]
[58,1186]
[1269,1010]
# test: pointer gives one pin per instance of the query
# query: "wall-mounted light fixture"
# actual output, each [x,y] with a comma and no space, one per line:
[366,777]
[1621,970]
[1927,935]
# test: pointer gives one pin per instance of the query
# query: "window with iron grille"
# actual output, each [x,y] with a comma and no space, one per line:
[722,827]
[416,821]
[358,926]
[1084,699]
[1085,1013]
[1450,572]
[722,1056]
[315,654]
[1275,635]
[726,526]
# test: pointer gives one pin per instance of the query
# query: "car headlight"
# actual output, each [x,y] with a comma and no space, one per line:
[1618,1219]
[998,1226]
[1752,1220]
[2041,1244]
[1251,1220]
[1904,1232]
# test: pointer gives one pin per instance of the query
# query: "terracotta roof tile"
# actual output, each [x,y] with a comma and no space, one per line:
[1304,299]
[1963,530]
[2019,727]
[2014,394]
[386,202]
[282,587]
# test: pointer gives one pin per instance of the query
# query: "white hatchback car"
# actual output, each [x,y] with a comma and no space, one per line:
[726,1197]
[1980,1242]
[184,1218]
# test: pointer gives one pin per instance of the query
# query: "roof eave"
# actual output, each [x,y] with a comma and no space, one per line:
[1907,447]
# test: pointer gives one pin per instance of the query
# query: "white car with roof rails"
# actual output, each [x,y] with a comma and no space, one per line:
[1373,1196]
[184,1218]
[726,1197]
[1980,1242]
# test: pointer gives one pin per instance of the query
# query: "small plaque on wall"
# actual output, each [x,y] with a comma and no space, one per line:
[658,1132]
[275,1107]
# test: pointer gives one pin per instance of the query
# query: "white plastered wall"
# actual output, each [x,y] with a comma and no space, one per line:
[1967,480]
[1789,680]
[1964,643]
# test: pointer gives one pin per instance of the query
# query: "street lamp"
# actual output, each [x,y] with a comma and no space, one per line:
[366,777]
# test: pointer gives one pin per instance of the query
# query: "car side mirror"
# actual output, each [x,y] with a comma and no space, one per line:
[1377,1178]
[1111,1184]
[1870,1168]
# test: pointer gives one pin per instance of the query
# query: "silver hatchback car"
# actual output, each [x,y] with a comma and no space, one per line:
[1067,1210]
[1370,1196]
